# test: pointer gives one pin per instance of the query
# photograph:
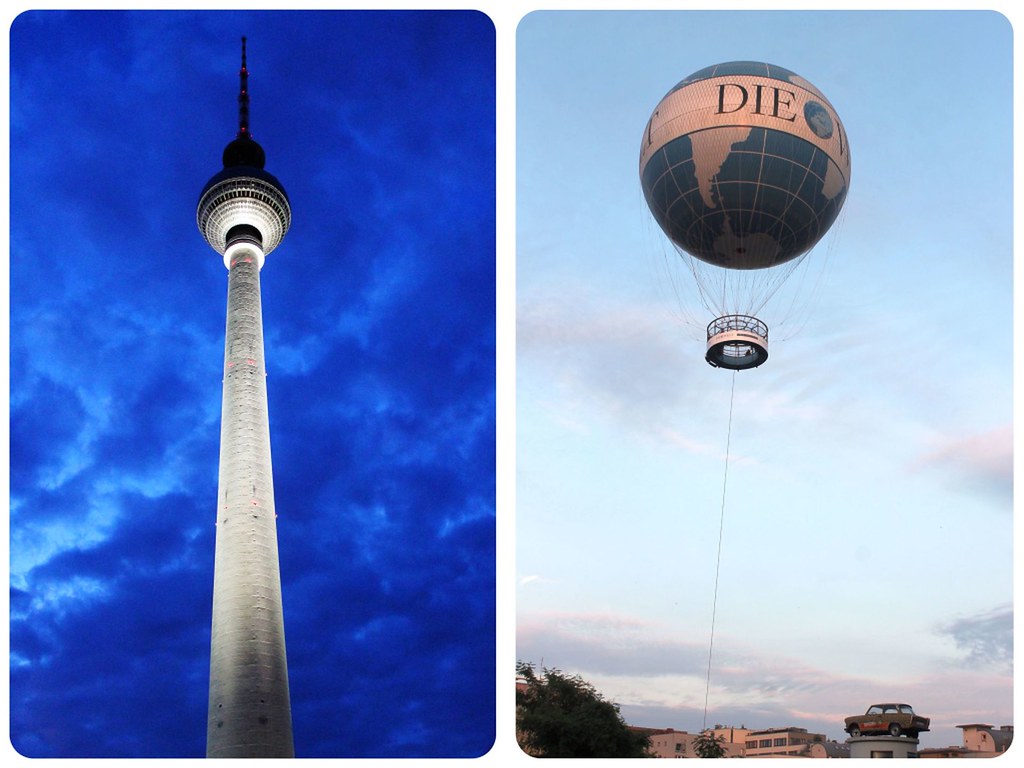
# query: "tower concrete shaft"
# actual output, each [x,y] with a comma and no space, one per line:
[249,709]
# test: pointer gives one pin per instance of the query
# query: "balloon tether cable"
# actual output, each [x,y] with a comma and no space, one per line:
[718,559]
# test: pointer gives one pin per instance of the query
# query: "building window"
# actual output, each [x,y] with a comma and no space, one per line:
[765,743]
[780,742]
[881,753]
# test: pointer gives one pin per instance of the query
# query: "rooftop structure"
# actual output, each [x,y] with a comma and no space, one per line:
[979,737]
[980,740]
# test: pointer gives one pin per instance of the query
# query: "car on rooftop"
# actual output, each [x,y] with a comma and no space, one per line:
[891,719]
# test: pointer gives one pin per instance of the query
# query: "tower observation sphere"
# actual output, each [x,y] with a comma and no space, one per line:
[243,214]
[744,166]
[243,197]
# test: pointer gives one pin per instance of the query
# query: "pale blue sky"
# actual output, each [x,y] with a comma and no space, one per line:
[867,550]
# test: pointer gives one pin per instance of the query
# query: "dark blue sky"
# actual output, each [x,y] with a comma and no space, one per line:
[379,325]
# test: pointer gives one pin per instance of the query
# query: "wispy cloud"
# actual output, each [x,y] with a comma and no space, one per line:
[976,462]
[607,644]
[618,356]
[985,639]
[610,361]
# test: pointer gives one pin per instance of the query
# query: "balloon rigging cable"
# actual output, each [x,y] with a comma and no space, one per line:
[718,559]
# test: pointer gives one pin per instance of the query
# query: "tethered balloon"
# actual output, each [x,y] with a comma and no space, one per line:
[744,166]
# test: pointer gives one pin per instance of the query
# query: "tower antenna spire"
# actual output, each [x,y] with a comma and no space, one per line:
[243,98]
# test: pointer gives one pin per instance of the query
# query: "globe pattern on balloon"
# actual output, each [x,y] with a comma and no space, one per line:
[745,165]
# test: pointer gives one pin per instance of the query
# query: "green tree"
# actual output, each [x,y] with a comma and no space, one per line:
[562,716]
[708,745]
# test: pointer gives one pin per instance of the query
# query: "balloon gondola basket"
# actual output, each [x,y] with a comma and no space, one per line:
[737,342]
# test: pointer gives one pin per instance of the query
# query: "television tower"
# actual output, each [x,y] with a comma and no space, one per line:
[244,213]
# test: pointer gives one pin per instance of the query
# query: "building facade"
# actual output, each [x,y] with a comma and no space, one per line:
[670,743]
[792,742]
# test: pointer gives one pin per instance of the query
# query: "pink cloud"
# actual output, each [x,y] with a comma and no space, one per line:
[981,461]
